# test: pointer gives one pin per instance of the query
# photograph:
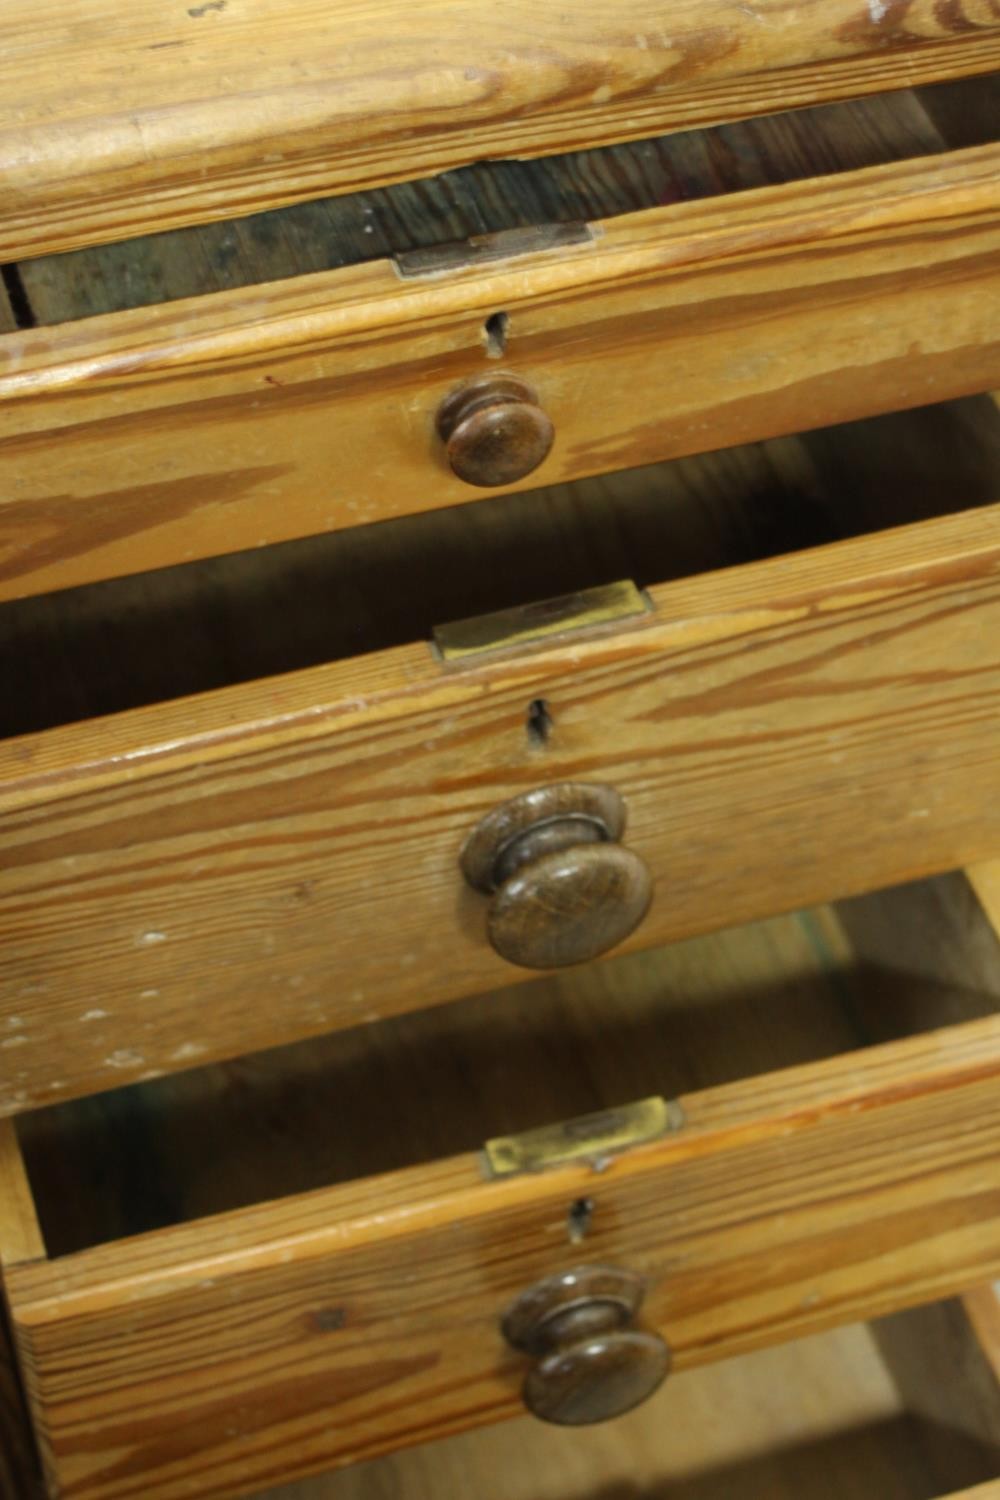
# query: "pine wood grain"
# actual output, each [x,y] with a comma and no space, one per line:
[985,880]
[716,1009]
[87,652]
[83,653]
[815,1420]
[280,859]
[22,1237]
[712,1010]
[323,1329]
[181,113]
[488,197]
[254,416]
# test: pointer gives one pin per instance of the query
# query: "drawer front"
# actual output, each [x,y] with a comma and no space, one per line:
[218,875]
[150,437]
[120,161]
[320,1330]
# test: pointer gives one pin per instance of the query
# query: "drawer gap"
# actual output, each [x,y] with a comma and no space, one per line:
[109,647]
[699,1015]
[793,1203]
[504,197]
[419,222]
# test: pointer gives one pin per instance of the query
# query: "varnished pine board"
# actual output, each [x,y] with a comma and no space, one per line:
[715,1009]
[161,435]
[330,1327]
[277,860]
[22,1238]
[686,1001]
[486,197]
[985,879]
[82,653]
[181,114]
[818,1419]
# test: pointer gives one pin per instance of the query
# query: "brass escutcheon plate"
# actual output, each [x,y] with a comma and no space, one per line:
[528,624]
[486,249]
[589,1137]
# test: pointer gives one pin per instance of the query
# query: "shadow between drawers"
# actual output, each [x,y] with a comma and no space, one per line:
[428,1085]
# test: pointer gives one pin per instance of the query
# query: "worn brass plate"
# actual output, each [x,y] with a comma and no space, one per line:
[509,628]
[484,249]
[590,1137]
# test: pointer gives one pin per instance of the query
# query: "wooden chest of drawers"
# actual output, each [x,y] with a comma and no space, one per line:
[409,591]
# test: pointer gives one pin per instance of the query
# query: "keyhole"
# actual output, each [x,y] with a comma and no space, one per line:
[495,335]
[578,1220]
[540,722]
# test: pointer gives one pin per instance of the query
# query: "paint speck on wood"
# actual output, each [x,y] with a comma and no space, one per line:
[125,1057]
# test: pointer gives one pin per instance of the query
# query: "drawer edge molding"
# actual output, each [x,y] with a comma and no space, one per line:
[159,139]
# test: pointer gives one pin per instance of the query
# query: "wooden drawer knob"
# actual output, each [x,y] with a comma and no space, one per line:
[494,430]
[564,890]
[591,1363]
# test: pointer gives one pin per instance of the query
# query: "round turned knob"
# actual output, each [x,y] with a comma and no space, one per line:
[591,1363]
[564,891]
[494,430]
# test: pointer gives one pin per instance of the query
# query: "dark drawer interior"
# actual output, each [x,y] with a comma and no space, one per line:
[112,646]
[434,1084]
[496,196]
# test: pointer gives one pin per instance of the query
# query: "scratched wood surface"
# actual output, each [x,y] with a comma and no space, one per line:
[185,113]
[254,416]
[713,1010]
[209,876]
[792,1201]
